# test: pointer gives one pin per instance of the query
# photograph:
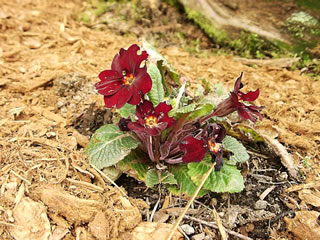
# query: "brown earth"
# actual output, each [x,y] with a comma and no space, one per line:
[48,65]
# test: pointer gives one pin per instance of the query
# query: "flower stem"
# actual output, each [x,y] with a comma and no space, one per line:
[157,149]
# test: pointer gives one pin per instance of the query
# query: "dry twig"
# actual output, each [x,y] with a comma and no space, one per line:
[175,227]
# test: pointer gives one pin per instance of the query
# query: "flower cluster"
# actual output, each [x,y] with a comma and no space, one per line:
[164,138]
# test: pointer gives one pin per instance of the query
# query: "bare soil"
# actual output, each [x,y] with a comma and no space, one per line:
[49,63]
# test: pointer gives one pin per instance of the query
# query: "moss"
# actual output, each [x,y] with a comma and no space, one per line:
[217,35]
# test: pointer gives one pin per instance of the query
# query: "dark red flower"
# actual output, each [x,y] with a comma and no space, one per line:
[152,120]
[209,140]
[126,80]
[236,102]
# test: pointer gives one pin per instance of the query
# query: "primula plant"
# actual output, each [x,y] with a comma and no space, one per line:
[163,135]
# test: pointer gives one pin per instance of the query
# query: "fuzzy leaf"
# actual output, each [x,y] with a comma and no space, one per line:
[228,179]
[109,145]
[155,56]
[239,152]
[187,186]
[127,110]
[156,94]
[201,111]
[135,164]
[152,178]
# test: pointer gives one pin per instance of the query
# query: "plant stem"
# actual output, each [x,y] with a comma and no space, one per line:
[190,202]
[157,149]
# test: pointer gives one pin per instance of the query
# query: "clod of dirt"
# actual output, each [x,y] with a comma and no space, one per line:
[152,231]
[74,209]
[108,216]
[304,226]
[31,221]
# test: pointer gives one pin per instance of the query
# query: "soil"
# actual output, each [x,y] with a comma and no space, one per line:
[49,62]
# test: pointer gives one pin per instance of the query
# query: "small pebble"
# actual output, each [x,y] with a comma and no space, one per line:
[187,229]
[260,204]
[200,236]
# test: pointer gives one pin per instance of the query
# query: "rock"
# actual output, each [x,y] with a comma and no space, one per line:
[260,204]
[187,229]
[200,236]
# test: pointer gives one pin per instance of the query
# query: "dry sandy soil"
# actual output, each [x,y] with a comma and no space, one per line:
[49,63]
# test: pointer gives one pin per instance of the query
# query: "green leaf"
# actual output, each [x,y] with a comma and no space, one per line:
[187,186]
[152,178]
[135,164]
[168,178]
[112,172]
[156,94]
[239,152]
[109,145]
[219,89]
[201,111]
[155,56]
[127,110]
[228,179]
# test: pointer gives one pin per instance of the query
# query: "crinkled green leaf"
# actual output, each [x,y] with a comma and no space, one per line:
[167,178]
[109,145]
[186,185]
[239,153]
[135,164]
[201,110]
[156,93]
[127,110]
[152,178]
[182,110]
[228,179]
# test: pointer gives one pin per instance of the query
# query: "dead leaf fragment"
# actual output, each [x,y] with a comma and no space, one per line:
[31,221]
[99,227]
[304,226]
[310,197]
[151,231]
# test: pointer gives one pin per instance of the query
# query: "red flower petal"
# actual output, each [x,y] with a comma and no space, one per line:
[143,81]
[108,88]
[110,75]
[136,98]
[246,115]
[152,131]
[163,108]
[110,101]
[124,94]
[250,96]
[193,148]
[129,60]
[145,108]
[135,127]
[237,84]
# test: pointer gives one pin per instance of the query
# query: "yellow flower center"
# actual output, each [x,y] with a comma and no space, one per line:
[240,99]
[128,79]
[151,121]
[214,147]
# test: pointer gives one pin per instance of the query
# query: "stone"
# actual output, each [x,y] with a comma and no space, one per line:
[260,204]
[187,229]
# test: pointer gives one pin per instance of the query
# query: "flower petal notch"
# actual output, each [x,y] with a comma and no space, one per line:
[150,120]
[126,81]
